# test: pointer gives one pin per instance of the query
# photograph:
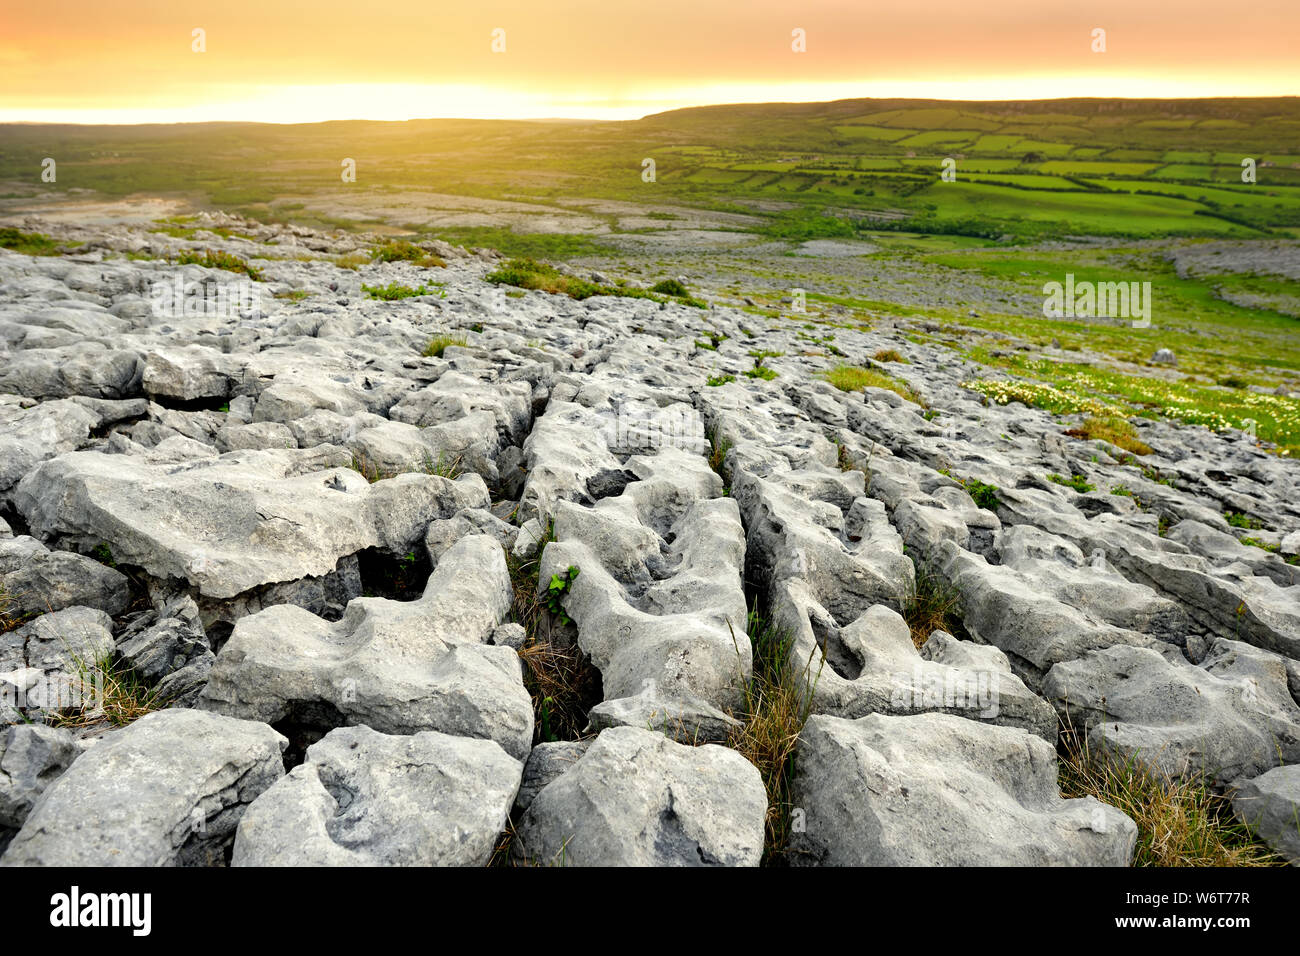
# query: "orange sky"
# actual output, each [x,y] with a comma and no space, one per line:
[281,61]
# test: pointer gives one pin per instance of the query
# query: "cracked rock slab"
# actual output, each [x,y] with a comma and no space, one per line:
[1270,806]
[636,798]
[940,790]
[167,790]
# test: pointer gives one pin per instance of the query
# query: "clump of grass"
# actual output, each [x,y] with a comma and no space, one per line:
[851,378]
[110,692]
[718,449]
[29,243]
[1122,491]
[439,343]
[403,250]
[561,680]
[293,295]
[761,371]
[351,260]
[10,617]
[531,274]
[395,290]
[716,380]
[1181,822]
[216,259]
[777,701]
[444,466]
[890,355]
[932,604]
[1078,482]
[1110,428]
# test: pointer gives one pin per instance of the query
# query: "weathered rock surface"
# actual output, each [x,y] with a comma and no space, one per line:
[254,471]
[939,790]
[363,798]
[397,667]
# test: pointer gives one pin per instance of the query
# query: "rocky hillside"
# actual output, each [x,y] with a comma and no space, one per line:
[328,541]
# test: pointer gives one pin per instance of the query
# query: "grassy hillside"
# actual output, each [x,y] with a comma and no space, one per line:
[1132,168]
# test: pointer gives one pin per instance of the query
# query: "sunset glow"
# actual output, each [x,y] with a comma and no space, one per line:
[87,62]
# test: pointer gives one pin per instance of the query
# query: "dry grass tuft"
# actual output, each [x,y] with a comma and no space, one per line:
[1181,822]
[931,605]
[443,466]
[111,693]
[1118,431]
[777,703]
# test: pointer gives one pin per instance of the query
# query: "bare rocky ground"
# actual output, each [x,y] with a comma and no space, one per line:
[179,495]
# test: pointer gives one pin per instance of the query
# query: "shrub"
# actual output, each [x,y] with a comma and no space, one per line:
[29,243]
[216,259]
[671,287]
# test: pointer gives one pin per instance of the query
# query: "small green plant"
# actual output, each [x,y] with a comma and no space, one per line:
[110,691]
[555,592]
[293,295]
[889,355]
[103,554]
[439,343]
[718,450]
[716,380]
[706,346]
[761,371]
[1122,491]
[1239,520]
[984,496]
[1078,482]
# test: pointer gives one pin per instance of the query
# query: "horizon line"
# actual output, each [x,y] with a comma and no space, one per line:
[661,112]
